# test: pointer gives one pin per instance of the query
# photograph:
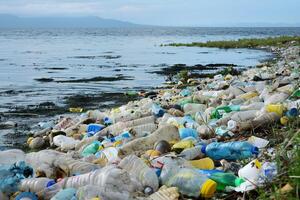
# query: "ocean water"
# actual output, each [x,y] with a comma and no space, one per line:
[78,61]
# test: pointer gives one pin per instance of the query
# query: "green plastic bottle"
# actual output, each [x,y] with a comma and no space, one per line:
[226,179]
[296,94]
[90,149]
[220,111]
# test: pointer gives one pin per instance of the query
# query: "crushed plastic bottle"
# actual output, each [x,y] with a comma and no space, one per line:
[230,150]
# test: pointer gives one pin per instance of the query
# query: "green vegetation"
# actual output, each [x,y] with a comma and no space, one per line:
[244,43]
[287,158]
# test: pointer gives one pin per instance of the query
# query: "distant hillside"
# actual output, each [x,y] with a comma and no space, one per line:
[11,21]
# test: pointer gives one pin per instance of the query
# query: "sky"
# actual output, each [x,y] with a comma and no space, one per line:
[164,12]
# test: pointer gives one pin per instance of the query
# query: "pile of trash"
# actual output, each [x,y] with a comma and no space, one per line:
[173,144]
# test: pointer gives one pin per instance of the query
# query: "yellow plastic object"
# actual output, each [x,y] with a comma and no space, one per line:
[228,77]
[117,143]
[284,120]
[208,189]
[101,147]
[276,108]
[76,110]
[204,163]
[248,95]
[152,153]
[29,140]
[257,164]
[96,198]
[184,144]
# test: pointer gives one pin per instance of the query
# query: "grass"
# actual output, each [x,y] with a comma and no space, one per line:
[243,43]
[288,162]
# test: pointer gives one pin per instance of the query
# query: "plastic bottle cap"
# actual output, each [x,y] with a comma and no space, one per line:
[208,188]
[203,149]
[238,181]
[255,150]
[50,183]
[292,112]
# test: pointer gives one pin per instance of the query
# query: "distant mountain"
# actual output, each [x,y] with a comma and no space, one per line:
[11,21]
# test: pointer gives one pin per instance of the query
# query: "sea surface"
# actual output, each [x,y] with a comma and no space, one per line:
[50,67]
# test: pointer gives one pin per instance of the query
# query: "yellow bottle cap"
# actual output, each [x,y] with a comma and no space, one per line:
[284,120]
[208,188]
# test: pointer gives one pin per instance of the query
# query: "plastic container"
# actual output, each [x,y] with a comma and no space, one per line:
[226,179]
[251,171]
[191,183]
[192,108]
[157,110]
[69,193]
[275,108]
[65,142]
[138,169]
[26,196]
[204,163]
[91,149]
[230,150]
[188,132]
[9,157]
[220,111]
[192,153]
[167,132]
[35,184]
[94,128]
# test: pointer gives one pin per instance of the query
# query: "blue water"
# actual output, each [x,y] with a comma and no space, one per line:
[26,55]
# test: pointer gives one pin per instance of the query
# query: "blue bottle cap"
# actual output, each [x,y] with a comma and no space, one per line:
[255,150]
[50,183]
[292,112]
[27,195]
[203,149]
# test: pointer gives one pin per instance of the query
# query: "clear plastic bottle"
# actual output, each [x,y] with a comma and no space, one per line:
[157,110]
[230,151]
[192,153]
[35,184]
[142,172]
[191,183]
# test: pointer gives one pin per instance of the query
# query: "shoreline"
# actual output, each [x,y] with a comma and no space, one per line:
[254,86]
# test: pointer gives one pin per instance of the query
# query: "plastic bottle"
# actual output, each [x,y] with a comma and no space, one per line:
[9,157]
[276,108]
[192,153]
[204,163]
[167,132]
[35,184]
[157,110]
[91,149]
[94,128]
[230,150]
[68,193]
[191,183]
[65,142]
[201,118]
[138,169]
[187,132]
[226,179]
[252,106]
[113,181]
[192,108]
[26,196]
[244,115]
[220,111]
